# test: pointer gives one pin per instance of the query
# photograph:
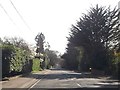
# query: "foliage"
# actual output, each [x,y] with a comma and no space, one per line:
[97,33]
[52,56]
[6,56]
[40,43]
[15,59]
[115,67]
[36,65]
[70,57]
[41,54]
[18,42]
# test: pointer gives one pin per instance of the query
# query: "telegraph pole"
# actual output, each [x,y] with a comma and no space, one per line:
[119,11]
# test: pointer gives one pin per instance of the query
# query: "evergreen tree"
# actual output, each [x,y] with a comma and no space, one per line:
[40,43]
[96,32]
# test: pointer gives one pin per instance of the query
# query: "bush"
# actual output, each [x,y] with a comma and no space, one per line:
[20,61]
[6,58]
[36,65]
[15,60]
[116,65]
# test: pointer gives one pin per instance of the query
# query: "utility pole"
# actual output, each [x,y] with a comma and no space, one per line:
[119,5]
[119,11]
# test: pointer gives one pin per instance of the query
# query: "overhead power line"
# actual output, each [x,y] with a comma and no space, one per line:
[20,15]
[7,14]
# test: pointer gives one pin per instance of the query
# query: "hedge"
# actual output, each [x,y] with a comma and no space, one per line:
[15,60]
[36,65]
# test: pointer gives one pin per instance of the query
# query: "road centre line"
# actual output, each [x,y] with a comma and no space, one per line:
[36,82]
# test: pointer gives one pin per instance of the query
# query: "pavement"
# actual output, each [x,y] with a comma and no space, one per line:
[60,79]
[22,81]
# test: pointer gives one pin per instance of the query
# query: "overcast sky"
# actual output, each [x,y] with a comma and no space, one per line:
[52,17]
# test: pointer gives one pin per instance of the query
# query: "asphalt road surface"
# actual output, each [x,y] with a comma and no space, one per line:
[70,79]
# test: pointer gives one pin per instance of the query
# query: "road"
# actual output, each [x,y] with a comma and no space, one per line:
[59,79]
[70,79]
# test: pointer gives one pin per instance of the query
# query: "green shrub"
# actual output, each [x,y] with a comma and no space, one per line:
[116,65]
[7,51]
[20,61]
[36,65]
[15,60]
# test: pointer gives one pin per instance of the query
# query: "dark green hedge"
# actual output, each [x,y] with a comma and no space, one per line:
[116,66]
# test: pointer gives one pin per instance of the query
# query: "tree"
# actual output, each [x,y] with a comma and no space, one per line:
[1,41]
[16,57]
[18,42]
[70,57]
[40,43]
[52,56]
[41,51]
[97,32]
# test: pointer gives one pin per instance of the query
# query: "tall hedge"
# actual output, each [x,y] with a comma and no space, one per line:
[6,57]
[36,65]
[116,65]
[15,60]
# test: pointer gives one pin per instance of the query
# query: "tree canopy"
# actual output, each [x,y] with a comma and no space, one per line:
[97,32]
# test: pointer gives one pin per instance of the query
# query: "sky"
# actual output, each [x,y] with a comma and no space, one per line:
[51,17]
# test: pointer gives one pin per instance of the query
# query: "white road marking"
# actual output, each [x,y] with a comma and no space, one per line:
[27,84]
[37,82]
[93,86]
[79,85]
[34,84]
[115,83]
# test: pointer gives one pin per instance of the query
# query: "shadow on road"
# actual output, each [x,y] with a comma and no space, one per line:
[65,75]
